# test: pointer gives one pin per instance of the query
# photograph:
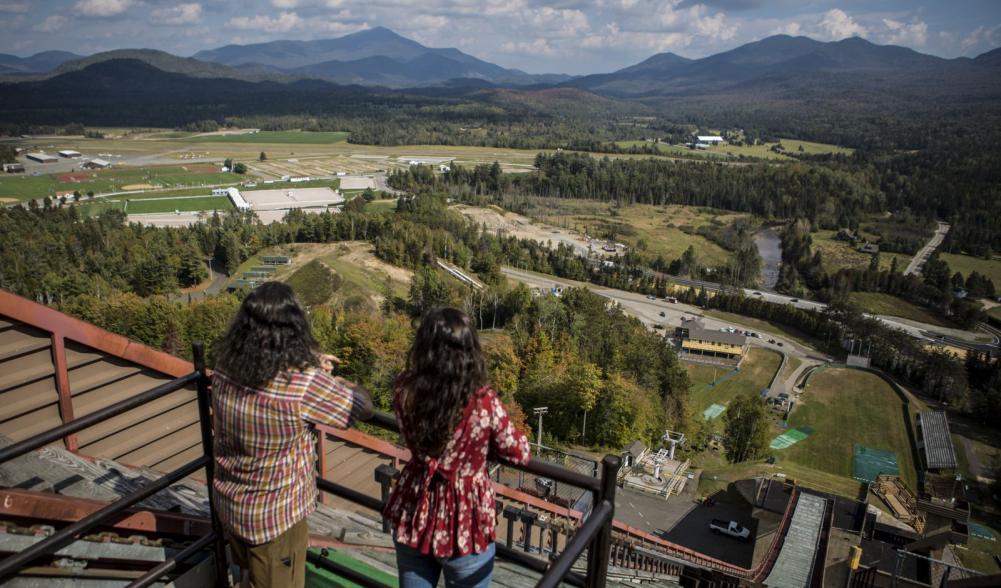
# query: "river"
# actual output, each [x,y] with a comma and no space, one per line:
[770,249]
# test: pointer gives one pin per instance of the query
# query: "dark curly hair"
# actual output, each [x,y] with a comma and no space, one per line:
[445,367]
[269,334]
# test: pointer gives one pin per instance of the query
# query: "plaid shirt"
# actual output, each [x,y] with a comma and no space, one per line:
[265,458]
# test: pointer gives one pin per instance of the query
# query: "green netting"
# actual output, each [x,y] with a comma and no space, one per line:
[981,532]
[791,437]
[713,411]
[870,463]
[317,577]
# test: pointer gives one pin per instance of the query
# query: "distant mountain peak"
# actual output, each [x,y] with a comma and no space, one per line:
[375,56]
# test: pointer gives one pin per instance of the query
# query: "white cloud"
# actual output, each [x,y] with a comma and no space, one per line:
[51,24]
[182,14]
[981,39]
[538,46]
[14,7]
[285,4]
[901,33]
[791,28]
[283,23]
[556,22]
[102,8]
[837,24]
[428,21]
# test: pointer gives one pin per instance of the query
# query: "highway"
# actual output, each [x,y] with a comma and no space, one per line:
[648,310]
[652,311]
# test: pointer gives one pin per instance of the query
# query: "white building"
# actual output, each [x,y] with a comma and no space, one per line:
[710,139]
[220,191]
[42,157]
[237,199]
[96,164]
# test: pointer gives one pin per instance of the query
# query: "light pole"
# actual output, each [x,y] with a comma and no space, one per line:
[539,410]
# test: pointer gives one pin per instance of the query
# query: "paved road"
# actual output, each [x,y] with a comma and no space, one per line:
[648,310]
[918,261]
[923,331]
[653,312]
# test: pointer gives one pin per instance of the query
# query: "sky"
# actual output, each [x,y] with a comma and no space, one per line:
[568,36]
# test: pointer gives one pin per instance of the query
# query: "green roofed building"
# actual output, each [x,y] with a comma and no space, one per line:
[276,259]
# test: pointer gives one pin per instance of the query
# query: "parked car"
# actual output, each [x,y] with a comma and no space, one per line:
[794,300]
[771,340]
[730,529]
[662,313]
[757,293]
[779,343]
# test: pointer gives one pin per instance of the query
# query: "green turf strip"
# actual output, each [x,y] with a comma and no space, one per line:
[713,411]
[869,463]
[319,578]
[791,437]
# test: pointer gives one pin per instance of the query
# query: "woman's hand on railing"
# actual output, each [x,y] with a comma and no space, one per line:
[362,408]
[328,361]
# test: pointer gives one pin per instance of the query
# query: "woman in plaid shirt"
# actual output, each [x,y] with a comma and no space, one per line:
[270,386]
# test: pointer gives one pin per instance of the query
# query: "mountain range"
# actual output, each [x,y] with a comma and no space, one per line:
[38,63]
[784,64]
[778,78]
[376,56]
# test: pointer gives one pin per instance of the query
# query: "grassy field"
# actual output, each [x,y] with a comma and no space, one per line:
[314,283]
[387,205]
[842,254]
[25,187]
[755,373]
[966,264]
[272,137]
[879,303]
[717,473]
[844,407]
[187,204]
[979,554]
[657,230]
[762,151]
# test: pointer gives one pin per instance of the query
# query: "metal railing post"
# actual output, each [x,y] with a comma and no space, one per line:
[205,420]
[597,556]
[384,475]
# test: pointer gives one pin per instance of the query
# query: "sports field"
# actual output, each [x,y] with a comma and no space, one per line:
[289,137]
[188,204]
[115,179]
[844,407]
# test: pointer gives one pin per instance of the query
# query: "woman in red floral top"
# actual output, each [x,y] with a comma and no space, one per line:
[442,509]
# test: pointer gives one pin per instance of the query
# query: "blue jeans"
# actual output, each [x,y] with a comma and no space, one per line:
[422,571]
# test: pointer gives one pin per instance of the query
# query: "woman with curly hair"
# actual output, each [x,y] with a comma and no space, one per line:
[442,509]
[269,387]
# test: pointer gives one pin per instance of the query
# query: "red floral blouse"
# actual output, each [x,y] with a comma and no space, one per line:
[444,506]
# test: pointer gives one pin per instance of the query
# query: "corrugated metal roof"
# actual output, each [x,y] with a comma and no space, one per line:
[794,565]
[939,452]
[700,334]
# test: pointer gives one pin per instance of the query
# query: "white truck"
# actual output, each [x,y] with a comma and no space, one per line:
[730,528]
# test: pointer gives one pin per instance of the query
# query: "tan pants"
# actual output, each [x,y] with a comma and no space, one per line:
[279,563]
